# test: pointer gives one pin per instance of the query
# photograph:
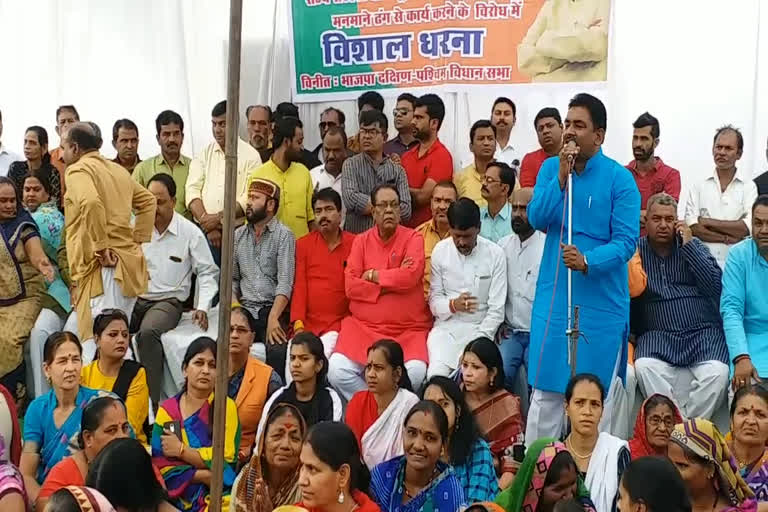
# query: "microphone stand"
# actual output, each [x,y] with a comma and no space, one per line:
[572,329]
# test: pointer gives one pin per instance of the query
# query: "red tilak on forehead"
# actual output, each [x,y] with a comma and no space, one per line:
[289,425]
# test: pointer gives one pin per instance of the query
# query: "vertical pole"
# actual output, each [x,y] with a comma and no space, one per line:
[569,328]
[228,225]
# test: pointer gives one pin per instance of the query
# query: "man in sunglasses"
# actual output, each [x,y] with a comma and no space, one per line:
[331,117]
[402,117]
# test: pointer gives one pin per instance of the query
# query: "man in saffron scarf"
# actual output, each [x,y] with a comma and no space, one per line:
[107,266]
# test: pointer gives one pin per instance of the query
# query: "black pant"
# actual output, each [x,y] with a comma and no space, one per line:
[276,353]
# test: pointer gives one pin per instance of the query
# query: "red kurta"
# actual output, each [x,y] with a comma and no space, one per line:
[394,307]
[318,297]
[529,169]
[362,412]
[436,164]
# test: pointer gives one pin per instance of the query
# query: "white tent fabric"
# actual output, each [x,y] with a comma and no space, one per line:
[695,64]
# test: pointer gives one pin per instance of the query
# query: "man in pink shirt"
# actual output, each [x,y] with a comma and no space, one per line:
[428,163]
[651,174]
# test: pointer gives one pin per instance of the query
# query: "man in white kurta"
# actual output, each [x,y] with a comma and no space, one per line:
[468,289]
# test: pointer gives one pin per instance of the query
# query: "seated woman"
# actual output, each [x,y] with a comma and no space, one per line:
[332,472]
[53,420]
[78,499]
[56,302]
[142,492]
[496,410]
[104,419]
[376,415]
[655,421]
[10,431]
[37,158]
[111,372]
[547,476]
[749,436]
[655,484]
[22,261]
[251,382]
[467,452]
[182,437]
[419,480]
[13,496]
[271,478]
[309,391]
[600,457]
[701,455]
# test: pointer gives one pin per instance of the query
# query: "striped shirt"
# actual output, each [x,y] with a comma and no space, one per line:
[678,319]
[359,176]
[263,267]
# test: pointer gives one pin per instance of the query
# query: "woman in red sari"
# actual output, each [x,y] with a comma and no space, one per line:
[496,410]
[655,422]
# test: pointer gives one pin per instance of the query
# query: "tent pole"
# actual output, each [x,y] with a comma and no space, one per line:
[227,242]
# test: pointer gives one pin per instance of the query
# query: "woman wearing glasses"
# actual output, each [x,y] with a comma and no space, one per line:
[251,382]
[655,422]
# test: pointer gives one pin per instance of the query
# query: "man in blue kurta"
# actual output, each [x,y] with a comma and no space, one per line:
[606,206]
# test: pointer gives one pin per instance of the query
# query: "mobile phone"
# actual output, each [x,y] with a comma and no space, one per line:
[174,427]
[678,238]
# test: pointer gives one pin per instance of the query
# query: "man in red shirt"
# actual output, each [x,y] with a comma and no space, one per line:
[428,163]
[549,130]
[319,302]
[651,174]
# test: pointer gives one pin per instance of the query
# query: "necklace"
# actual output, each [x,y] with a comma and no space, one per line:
[408,493]
[576,454]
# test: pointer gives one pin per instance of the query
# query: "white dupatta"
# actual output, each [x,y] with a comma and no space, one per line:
[603,471]
[384,439]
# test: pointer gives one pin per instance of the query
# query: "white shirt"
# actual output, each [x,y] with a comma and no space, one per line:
[6,159]
[706,199]
[507,155]
[523,261]
[173,256]
[483,274]
[323,179]
[206,174]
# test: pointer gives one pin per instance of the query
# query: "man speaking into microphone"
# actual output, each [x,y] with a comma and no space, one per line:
[606,209]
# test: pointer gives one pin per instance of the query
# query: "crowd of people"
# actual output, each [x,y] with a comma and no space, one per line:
[399,337]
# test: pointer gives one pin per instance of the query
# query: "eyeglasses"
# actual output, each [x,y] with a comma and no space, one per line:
[400,112]
[656,421]
[370,132]
[390,205]
[327,124]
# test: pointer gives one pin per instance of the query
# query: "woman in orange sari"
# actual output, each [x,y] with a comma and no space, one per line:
[496,410]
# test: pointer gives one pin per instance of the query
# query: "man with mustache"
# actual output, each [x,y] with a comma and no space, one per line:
[369,100]
[319,302]
[177,250]
[284,168]
[482,144]
[467,290]
[402,116]
[606,222]
[430,161]
[264,266]
[260,129]
[125,140]
[718,209]
[651,174]
[383,281]
[330,118]
[170,137]
[676,321]
[503,118]
[744,301]
[523,250]
[549,130]
[334,155]
[498,184]
[66,115]
[443,196]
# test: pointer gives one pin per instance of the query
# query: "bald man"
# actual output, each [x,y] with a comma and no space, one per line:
[523,250]
[107,265]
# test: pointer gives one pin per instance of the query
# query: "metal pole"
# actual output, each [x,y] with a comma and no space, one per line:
[228,225]
[569,327]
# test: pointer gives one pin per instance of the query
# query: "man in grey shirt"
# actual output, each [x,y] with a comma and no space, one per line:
[264,263]
[362,172]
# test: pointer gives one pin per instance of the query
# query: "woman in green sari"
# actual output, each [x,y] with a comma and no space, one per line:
[547,476]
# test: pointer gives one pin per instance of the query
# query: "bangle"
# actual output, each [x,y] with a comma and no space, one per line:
[451,306]
[181,450]
[741,358]
[298,324]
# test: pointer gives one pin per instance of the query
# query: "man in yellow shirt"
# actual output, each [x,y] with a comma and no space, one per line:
[437,228]
[107,265]
[284,169]
[482,143]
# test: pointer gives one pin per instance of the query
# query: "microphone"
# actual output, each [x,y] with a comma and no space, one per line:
[571,145]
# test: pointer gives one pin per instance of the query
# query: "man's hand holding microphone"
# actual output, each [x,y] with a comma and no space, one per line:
[567,158]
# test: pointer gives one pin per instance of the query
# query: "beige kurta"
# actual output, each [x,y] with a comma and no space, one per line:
[97,206]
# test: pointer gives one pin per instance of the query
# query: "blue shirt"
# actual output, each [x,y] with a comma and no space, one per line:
[606,226]
[744,304]
[477,475]
[496,228]
[679,321]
